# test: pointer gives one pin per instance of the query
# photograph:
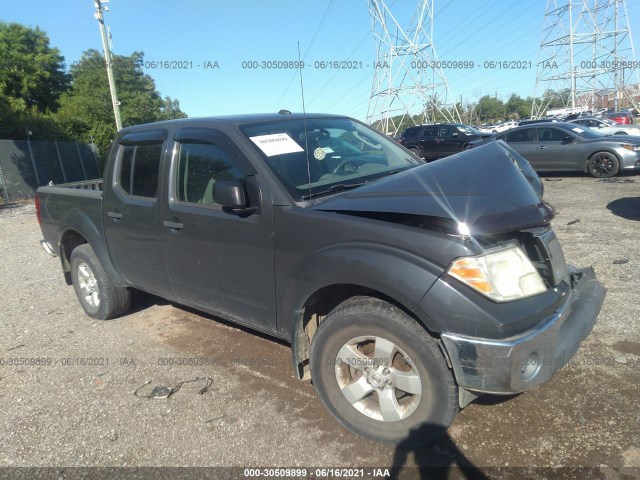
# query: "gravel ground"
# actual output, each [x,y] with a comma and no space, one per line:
[77,406]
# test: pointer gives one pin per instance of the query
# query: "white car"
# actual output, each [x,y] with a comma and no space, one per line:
[606,126]
[504,126]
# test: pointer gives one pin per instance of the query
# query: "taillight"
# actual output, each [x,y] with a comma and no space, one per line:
[37,202]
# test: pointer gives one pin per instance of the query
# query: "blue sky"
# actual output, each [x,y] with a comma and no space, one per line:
[229,33]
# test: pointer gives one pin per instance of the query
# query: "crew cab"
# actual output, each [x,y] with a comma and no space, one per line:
[405,289]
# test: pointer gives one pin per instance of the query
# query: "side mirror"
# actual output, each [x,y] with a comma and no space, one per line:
[455,134]
[568,139]
[230,194]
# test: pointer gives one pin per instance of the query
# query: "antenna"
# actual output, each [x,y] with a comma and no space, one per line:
[304,119]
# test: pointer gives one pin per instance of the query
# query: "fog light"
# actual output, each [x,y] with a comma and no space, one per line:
[530,366]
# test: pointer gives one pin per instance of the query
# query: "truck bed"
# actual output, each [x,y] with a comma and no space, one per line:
[72,200]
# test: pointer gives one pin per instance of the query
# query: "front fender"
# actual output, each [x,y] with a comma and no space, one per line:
[395,273]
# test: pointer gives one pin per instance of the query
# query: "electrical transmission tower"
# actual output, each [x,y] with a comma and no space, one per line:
[586,57]
[409,87]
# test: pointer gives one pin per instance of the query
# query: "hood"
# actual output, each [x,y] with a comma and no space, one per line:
[477,192]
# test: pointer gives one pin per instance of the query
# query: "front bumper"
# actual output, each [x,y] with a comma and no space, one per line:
[523,361]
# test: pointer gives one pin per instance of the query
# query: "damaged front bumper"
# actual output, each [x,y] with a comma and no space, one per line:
[518,363]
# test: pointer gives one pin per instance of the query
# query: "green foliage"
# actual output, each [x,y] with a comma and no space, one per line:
[35,90]
[518,107]
[32,73]
[87,111]
[490,109]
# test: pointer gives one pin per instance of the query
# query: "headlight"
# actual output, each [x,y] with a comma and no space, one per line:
[633,148]
[502,275]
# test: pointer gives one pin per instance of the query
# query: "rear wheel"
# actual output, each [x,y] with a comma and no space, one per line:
[381,374]
[603,165]
[97,294]
[416,152]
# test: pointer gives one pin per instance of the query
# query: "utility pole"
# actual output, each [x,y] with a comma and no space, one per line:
[107,59]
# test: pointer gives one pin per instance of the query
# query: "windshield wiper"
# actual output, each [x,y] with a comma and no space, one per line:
[333,189]
[392,172]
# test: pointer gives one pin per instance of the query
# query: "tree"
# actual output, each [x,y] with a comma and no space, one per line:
[518,107]
[86,108]
[32,74]
[490,109]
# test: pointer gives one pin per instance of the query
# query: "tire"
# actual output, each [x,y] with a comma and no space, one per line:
[361,393]
[603,165]
[97,294]
[621,133]
[416,152]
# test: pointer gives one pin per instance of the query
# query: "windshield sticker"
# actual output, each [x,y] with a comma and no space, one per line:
[319,153]
[276,144]
[577,130]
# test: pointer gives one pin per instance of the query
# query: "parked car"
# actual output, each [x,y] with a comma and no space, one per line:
[504,126]
[406,289]
[625,118]
[564,146]
[606,126]
[486,128]
[440,140]
[539,120]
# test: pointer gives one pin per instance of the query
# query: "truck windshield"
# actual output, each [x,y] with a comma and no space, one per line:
[316,155]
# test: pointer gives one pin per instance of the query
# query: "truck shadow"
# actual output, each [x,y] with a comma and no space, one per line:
[438,461]
[142,300]
[628,207]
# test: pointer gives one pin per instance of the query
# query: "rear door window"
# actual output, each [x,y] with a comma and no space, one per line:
[516,136]
[139,169]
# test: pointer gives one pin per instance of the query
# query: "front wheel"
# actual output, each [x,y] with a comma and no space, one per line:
[381,374]
[603,165]
[97,294]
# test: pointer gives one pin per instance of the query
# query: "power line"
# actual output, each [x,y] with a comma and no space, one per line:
[286,90]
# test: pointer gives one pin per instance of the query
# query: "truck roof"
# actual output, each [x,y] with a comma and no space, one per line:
[240,119]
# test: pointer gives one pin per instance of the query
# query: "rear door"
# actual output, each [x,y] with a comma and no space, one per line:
[522,140]
[429,141]
[450,141]
[131,213]
[218,260]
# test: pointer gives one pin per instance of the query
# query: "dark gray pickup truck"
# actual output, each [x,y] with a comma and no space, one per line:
[405,289]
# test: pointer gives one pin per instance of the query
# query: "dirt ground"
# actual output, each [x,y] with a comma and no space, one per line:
[67,382]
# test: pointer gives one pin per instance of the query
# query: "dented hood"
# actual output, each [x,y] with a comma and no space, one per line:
[477,192]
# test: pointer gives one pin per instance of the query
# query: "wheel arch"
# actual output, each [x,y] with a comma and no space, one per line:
[602,150]
[77,228]
[318,305]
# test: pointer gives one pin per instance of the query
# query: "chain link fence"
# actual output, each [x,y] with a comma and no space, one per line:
[27,163]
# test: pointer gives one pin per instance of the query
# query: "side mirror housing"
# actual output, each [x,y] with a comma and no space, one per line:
[455,134]
[568,139]
[230,194]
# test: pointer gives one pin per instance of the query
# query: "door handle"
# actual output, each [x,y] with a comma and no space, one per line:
[542,147]
[173,225]
[115,215]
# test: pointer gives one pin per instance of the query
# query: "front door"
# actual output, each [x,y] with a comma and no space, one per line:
[218,260]
[553,151]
